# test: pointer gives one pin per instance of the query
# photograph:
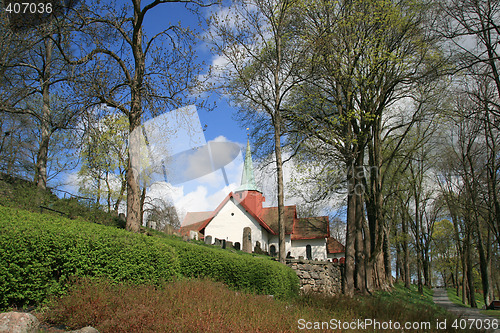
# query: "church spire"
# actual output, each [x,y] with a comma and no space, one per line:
[248,178]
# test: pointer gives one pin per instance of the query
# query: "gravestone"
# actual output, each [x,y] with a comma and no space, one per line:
[257,248]
[208,240]
[247,240]
[193,234]
[229,245]
[217,242]
[223,243]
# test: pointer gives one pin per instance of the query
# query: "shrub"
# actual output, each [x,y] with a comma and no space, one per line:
[38,253]
[240,271]
[179,306]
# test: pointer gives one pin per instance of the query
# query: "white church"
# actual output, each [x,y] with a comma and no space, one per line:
[241,220]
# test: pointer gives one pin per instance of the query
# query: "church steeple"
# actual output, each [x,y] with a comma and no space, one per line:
[248,178]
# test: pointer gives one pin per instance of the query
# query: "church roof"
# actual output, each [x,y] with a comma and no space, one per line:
[206,217]
[196,217]
[334,246]
[185,229]
[248,177]
[270,216]
[299,228]
[311,228]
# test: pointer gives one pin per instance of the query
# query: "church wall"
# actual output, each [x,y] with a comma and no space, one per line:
[230,227]
[336,255]
[318,248]
[274,240]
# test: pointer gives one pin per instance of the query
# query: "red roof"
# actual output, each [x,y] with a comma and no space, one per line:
[195,217]
[334,246]
[184,230]
[270,216]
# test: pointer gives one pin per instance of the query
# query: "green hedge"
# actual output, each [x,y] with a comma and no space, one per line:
[39,253]
[240,271]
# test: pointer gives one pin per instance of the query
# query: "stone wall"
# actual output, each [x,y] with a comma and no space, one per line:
[318,276]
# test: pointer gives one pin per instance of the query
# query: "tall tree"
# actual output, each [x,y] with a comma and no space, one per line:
[133,73]
[104,158]
[36,84]
[261,60]
[366,56]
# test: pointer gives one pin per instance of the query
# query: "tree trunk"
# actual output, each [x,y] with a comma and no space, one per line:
[350,233]
[485,265]
[470,279]
[281,197]
[387,258]
[406,250]
[135,113]
[133,189]
[360,267]
[43,149]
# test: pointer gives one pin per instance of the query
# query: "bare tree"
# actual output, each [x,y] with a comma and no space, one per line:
[36,84]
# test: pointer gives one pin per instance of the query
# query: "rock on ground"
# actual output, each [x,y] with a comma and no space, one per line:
[18,322]
[21,322]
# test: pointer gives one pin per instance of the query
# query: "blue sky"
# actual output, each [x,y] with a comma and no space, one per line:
[219,121]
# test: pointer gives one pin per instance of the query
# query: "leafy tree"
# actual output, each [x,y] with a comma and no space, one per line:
[104,159]
[445,256]
[261,59]
[365,57]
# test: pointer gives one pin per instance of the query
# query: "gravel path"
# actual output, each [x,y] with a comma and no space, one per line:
[441,297]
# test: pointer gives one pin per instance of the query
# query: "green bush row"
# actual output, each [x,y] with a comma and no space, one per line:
[240,271]
[39,253]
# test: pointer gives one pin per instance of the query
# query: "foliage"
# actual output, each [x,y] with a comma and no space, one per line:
[257,274]
[40,253]
[203,305]
[104,159]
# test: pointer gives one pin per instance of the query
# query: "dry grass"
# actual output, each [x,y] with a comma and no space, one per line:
[206,306]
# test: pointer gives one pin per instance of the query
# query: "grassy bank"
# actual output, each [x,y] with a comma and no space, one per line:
[207,306]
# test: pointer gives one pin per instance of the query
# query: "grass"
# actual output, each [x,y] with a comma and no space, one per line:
[19,193]
[193,305]
[491,313]
[452,295]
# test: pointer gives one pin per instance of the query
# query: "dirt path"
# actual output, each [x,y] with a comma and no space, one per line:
[441,297]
